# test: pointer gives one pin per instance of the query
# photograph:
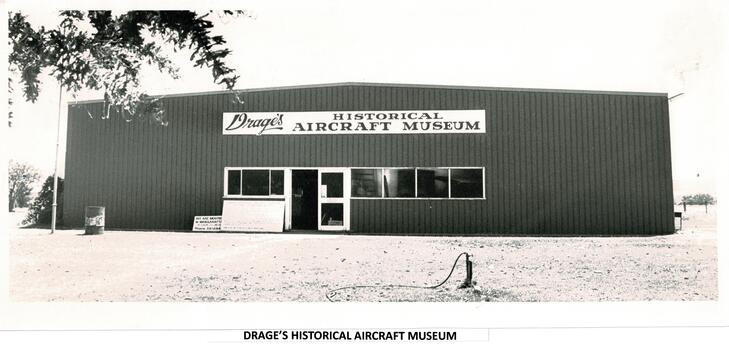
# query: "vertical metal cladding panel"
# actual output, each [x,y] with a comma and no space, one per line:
[556,162]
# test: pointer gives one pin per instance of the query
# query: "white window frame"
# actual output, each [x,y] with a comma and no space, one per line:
[382,183]
[415,191]
[287,196]
[262,196]
[287,182]
[344,200]
[483,182]
[433,168]
[382,186]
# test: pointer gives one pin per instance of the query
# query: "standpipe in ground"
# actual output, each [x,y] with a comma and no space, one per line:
[467,283]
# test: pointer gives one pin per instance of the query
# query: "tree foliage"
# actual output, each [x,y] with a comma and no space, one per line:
[101,50]
[41,210]
[21,178]
[699,199]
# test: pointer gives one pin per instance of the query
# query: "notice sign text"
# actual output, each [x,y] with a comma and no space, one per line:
[208,223]
[355,122]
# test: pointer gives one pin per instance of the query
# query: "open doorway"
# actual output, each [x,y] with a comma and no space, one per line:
[304,205]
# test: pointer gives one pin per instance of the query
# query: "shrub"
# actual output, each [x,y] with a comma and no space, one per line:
[41,209]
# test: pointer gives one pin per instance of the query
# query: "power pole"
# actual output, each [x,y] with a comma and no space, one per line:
[55,167]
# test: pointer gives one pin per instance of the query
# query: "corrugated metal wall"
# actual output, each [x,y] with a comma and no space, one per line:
[556,162]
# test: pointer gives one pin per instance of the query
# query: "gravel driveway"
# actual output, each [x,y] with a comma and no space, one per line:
[168,266]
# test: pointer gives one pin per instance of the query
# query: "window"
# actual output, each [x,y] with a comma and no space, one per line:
[277,182]
[332,214]
[366,182]
[432,183]
[255,182]
[466,183]
[436,183]
[334,183]
[234,182]
[399,183]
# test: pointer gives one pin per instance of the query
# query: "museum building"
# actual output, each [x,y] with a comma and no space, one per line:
[368,158]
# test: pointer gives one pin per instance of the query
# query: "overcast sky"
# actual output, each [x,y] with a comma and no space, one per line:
[653,46]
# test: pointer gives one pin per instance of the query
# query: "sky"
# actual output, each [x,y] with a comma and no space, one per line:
[673,47]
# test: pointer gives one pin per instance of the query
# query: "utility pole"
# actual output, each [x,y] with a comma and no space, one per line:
[55,167]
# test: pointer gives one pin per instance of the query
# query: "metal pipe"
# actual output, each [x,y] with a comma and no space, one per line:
[55,167]
[468,282]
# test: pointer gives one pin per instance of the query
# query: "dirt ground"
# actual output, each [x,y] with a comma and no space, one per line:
[163,266]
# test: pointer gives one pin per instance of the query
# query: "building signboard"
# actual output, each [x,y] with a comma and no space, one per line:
[355,122]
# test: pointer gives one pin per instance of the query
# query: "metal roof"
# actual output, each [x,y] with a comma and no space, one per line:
[397,85]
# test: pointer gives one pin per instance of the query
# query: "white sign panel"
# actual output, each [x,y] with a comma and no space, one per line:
[207,223]
[355,122]
[253,216]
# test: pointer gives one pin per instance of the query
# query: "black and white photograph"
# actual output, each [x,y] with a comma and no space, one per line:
[313,157]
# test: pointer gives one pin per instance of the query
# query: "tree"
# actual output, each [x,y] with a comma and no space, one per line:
[21,178]
[111,54]
[40,210]
[699,199]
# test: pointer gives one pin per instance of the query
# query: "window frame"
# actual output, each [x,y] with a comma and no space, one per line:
[227,169]
[382,183]
[448,182]
[415,182]
[270,182]
[382,186]
[483,183]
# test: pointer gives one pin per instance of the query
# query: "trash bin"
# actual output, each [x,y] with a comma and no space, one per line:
[94,222]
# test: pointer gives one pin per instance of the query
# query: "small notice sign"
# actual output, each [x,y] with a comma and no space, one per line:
[253,216]
[207,223]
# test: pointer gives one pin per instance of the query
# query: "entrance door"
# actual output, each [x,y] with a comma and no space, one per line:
[333,200]
[304,206]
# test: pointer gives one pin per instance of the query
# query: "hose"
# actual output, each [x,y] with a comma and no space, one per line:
[331,292]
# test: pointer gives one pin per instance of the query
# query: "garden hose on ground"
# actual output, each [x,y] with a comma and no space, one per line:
[332,292]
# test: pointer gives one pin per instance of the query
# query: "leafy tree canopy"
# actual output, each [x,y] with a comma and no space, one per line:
[101,50]
[698,199]
[21,178]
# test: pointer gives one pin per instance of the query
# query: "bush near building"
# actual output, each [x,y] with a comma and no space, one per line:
[41,209]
